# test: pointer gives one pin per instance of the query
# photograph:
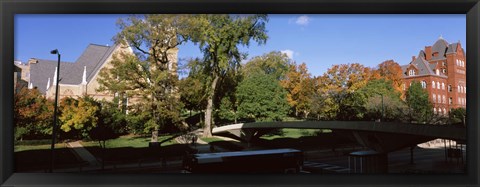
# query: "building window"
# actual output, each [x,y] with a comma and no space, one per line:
[444,71]
[444,111]
[443,86]
[434,98]
[443,99]
[438,85]
[449,88]
[458,63]
[450,100]
[424,84]
[433,84]
[435,110]
[443,64]
[437,71]
[411,72]
[404,87]
[458,89]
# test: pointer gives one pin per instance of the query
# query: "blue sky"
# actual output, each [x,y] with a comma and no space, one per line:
[318,40]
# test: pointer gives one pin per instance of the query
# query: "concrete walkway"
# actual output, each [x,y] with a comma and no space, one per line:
[83,153]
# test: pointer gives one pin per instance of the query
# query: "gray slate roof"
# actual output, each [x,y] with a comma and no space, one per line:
[93,58]
[425,68]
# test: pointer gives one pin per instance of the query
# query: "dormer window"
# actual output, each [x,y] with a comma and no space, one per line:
[437,71]
[444,70]
[411,72]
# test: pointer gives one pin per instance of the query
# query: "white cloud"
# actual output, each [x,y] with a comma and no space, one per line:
[303,20]
[288,52]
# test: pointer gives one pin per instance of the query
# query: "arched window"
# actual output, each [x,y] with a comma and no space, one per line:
[424,84]
[443,86]
[438,85]
[433,84]
[434,98]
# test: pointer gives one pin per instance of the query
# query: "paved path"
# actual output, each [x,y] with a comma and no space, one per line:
[83,153]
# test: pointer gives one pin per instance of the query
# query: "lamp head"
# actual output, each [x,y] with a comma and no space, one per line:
[55,51]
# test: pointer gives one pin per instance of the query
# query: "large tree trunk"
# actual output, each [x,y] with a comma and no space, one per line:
[207,130]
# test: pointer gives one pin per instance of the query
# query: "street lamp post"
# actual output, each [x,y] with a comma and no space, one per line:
[54,126]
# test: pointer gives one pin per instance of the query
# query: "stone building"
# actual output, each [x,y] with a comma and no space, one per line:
[76,78]
[440,69]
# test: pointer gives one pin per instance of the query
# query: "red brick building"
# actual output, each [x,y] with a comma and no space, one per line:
[440,69]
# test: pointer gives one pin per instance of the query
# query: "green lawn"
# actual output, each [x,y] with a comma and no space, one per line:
[295,133]
[211,139]
[19,148]
[130,141]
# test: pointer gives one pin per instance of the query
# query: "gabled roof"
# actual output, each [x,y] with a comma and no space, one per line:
[92,58]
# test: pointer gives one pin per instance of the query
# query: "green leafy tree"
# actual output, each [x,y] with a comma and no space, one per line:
[79,114]
[150,75]
[457,116]
[32,114]
[383,99]
[219,39]
[273,63]
[261,98]
[419,105]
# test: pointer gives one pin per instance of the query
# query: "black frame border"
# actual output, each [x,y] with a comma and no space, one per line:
[8,8]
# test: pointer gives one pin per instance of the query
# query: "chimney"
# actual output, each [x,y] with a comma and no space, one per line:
[428,52]
[413,58]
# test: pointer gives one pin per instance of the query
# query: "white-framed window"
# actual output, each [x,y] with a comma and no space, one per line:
[434,98]
[444,111]
[458,90]
[411,72]
[461,89]
[424,84]
[437,71]
[450,100]
[458,64]
[435,110]
[449,88]
[433,84]
[438,85]
[444,70]
[444,99]
[443,86]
